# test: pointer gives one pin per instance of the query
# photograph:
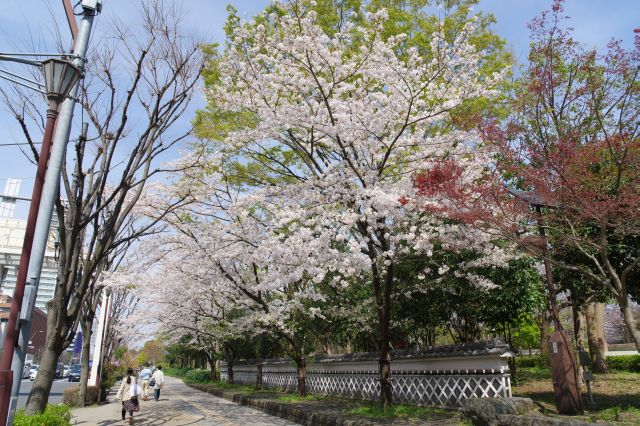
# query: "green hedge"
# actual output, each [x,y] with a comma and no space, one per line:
[534,361]
[54,415]
[199,375]
[175,372]
[630,363]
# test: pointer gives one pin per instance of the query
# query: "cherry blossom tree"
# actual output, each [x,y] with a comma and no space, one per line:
[345,120]
[254,275]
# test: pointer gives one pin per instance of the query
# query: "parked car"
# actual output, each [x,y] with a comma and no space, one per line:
[65,371]
[26,371]
[33,372]
[74,373]
[59,370]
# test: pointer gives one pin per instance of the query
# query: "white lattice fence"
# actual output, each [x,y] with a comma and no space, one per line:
[449,390]
[240,376]
[440,389]
[442,379]
[285,380]
[351,385]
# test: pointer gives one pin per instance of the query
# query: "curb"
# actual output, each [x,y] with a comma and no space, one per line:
[285,411]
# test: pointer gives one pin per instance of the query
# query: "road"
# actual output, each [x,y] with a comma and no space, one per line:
[55,397]
[179,405]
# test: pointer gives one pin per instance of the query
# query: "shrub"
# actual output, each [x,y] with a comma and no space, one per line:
[53,415]
[539,361]
[630,363]
[175,372]
[199,375]
[107,383]
[70,396]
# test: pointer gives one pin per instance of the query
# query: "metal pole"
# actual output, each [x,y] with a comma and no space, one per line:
[49,195]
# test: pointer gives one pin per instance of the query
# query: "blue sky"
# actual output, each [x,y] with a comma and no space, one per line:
[27,28]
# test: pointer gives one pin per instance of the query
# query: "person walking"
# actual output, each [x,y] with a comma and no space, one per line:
[145,377]
[157,381]
[128,394]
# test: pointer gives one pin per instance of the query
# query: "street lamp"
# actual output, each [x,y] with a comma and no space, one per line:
[59,78]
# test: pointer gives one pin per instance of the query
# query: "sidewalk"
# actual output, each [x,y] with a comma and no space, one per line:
[321,411]
[179,405]
[205,405]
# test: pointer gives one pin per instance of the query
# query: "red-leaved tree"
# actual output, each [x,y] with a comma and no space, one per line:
[571,141]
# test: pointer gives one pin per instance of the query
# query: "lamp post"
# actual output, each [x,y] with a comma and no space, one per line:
[60,76]
[50,190]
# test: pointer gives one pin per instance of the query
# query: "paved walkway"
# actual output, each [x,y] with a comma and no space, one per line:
[179,405]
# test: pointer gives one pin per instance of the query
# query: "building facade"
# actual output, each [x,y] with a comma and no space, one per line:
[38,334]
[11,238]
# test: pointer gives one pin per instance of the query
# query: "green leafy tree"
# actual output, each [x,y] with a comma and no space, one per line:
[153,352]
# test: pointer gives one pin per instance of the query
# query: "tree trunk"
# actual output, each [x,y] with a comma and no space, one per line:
[386,397]
[576,313]
[259,375]
[216,370]
[39,395]
[544,334]
[261,354]
[384,313]
[84,370]
[229,355]
[230,370]
[55,345]
[212,368]
[577,324]
[599,326]
[583,339]
[214,365]
[301,370]
[630,321]
[595,338]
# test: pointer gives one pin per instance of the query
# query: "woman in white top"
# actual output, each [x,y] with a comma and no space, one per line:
[128,394]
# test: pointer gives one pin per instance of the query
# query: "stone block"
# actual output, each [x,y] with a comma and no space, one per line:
[520,405]
[511,420]
[485,411]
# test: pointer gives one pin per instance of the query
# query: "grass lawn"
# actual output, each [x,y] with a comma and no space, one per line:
[401,411]
[616,395]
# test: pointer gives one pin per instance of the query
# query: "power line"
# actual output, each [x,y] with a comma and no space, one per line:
[40,143]
[19,143]
[20,178]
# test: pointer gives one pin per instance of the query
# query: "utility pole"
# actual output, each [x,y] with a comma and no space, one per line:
[90,8]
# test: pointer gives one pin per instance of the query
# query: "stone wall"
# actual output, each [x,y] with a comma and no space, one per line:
[441,376]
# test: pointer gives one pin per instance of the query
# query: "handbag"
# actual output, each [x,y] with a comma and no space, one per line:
[152,382]
[135,390]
